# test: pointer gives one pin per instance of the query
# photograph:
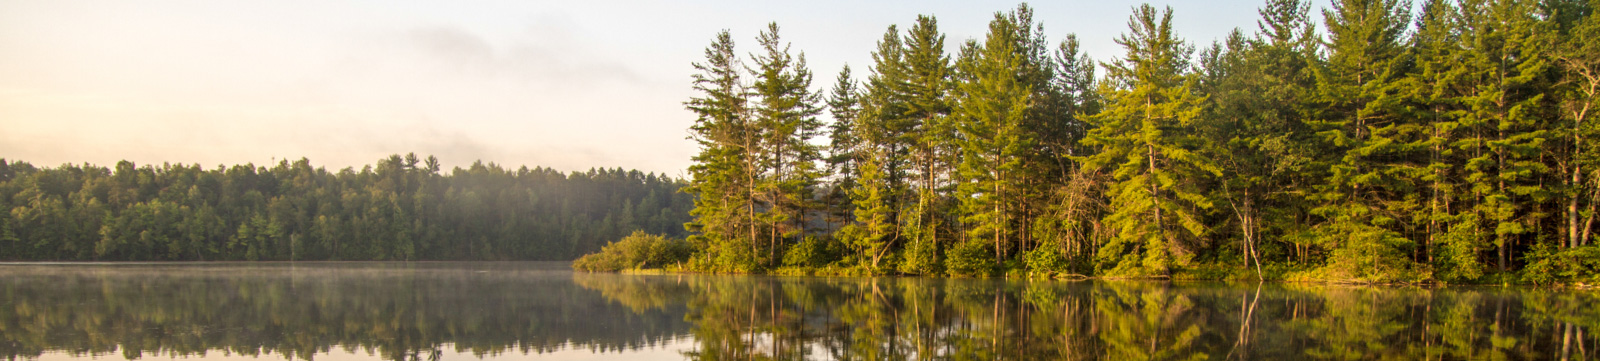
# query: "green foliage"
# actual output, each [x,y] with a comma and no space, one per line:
[993,106]
[812,252]
[1368,254]
[757,170]
[971,259]
[1362,145]
[639,250]
[402,209]
[922,255]
[1548,264]
[1148,140]
[1046,261]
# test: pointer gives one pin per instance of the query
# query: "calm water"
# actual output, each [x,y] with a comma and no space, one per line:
[467,311]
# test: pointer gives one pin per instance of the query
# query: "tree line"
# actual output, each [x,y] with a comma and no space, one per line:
[403,208]
[1364,142]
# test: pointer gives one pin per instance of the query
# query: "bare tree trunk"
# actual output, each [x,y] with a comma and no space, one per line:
[1572,204]
[1566,341]
[998,257]
[1500,186]
[1155,193]
[1254,237]
[1247,228]
[1432,214]
[1588,225]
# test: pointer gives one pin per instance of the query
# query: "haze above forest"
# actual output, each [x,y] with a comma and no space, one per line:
[563,84]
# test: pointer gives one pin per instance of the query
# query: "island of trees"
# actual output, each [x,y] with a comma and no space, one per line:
[1361,143]
[402,209]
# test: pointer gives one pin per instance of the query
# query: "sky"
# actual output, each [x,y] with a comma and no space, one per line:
[570,85]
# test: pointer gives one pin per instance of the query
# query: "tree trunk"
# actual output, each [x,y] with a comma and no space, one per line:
[1588,225]
[1155,194]
[1572,208]
[1500,187]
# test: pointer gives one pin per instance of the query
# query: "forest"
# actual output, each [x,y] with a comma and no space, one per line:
[1371,141]
[402,209]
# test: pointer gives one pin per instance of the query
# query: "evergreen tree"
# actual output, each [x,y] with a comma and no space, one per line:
[1009,120]
[880,128]
[993,105]
[1259,107]
[1146,137]
[1449,245]
[723,176]
[1506,81]
[845,150]
[1062,228]
[1366,199]
[925,92]
[786,119]
[1578,57]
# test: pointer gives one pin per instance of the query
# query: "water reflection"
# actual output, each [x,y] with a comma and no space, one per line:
[423,311]
[754,318]
[397,311]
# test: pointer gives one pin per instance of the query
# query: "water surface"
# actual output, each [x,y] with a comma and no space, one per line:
[468,311]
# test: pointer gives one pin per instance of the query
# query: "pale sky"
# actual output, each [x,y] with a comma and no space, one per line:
[563,84]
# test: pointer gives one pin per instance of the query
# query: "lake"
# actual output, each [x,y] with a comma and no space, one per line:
[523,310]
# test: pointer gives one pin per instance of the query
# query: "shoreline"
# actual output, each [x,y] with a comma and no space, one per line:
[1574,286]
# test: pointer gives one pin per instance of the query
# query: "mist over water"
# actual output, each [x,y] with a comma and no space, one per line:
[448,311]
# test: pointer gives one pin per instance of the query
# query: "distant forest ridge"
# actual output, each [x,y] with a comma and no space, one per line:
[402,208]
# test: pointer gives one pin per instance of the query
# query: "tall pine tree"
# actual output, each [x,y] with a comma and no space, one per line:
[1365,200]
[1146,136]
[723,176]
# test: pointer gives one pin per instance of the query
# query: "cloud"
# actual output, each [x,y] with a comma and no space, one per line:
[546,57]
[228,83]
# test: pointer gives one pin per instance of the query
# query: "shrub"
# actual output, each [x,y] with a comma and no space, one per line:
[1548,264]
[811,252]
[636,251]
[971,259]
[1367,254]
[1046,261]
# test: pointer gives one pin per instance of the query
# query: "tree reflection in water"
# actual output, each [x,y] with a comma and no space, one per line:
[765,318]
[421,311]
[398,311]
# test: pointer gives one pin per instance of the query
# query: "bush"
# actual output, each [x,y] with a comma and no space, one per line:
[811,252]
[636,251]
[1548,264]
[1046,261]
[971,259]
[1367,254]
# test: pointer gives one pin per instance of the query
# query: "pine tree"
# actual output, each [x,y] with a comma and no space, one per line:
[786,120]
[1062,228]
[1449,244]
[1259,106]
[882,180]
[1076,98]
[993,106]
[1367,198]
[902,120]
[1507,74]
[1578,57]
[1146,137]
[724,173]
[924,90]
[844,146]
